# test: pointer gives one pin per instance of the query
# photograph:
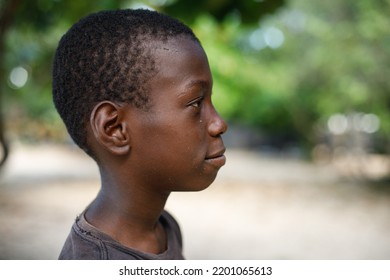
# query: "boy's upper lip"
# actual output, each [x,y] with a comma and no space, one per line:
[216,154]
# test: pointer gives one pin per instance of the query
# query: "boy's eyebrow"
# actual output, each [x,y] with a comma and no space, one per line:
[196,83]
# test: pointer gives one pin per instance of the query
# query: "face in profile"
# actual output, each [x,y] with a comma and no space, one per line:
[177,144]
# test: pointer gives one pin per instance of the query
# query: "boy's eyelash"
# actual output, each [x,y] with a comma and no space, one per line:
[197,102]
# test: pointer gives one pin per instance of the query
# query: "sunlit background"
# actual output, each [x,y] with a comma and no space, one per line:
[305,88]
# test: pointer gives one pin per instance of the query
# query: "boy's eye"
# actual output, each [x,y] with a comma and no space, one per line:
[196,103]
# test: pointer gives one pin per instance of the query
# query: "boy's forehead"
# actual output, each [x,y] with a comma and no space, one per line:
[175,45]
[182,60]
[179,53]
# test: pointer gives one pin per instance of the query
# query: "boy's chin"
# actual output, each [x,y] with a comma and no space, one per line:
[199,186]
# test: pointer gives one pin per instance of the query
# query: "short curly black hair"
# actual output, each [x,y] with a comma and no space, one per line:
[107,56]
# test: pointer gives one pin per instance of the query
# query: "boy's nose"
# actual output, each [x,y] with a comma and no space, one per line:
[217,125]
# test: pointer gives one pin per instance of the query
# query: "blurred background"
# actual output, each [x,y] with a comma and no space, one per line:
[304,86]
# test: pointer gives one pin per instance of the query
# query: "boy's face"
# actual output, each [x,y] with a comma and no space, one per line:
[177,144]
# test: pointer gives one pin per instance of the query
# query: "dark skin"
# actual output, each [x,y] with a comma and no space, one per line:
[144,155]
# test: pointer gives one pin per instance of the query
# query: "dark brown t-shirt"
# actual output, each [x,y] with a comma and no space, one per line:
[85,242]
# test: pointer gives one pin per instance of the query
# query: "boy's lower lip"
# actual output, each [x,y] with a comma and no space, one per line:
[218,161]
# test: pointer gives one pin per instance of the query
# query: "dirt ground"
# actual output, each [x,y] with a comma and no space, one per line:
[260,207]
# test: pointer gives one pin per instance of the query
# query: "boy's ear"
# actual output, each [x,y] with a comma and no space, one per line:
[109,127]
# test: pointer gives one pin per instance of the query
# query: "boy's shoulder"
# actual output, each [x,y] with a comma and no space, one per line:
[87,242]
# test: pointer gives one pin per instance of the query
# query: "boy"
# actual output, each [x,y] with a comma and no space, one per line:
[133,88]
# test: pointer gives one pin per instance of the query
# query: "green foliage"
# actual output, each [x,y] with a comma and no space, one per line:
[343,57]
[334,59]
[249,12]
[283,67]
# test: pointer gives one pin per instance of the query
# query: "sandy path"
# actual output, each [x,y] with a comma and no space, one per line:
[260,207]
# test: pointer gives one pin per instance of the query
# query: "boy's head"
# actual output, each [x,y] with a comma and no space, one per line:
[108,56]
[134,90]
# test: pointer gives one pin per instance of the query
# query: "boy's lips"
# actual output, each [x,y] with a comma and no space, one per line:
[216,154]
[216,159]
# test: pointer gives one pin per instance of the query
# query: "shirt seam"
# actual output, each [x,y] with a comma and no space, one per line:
[94,240]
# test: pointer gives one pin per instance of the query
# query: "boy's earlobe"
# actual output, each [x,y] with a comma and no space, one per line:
[109,128]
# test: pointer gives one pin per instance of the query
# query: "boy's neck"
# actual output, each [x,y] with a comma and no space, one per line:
[130,216]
